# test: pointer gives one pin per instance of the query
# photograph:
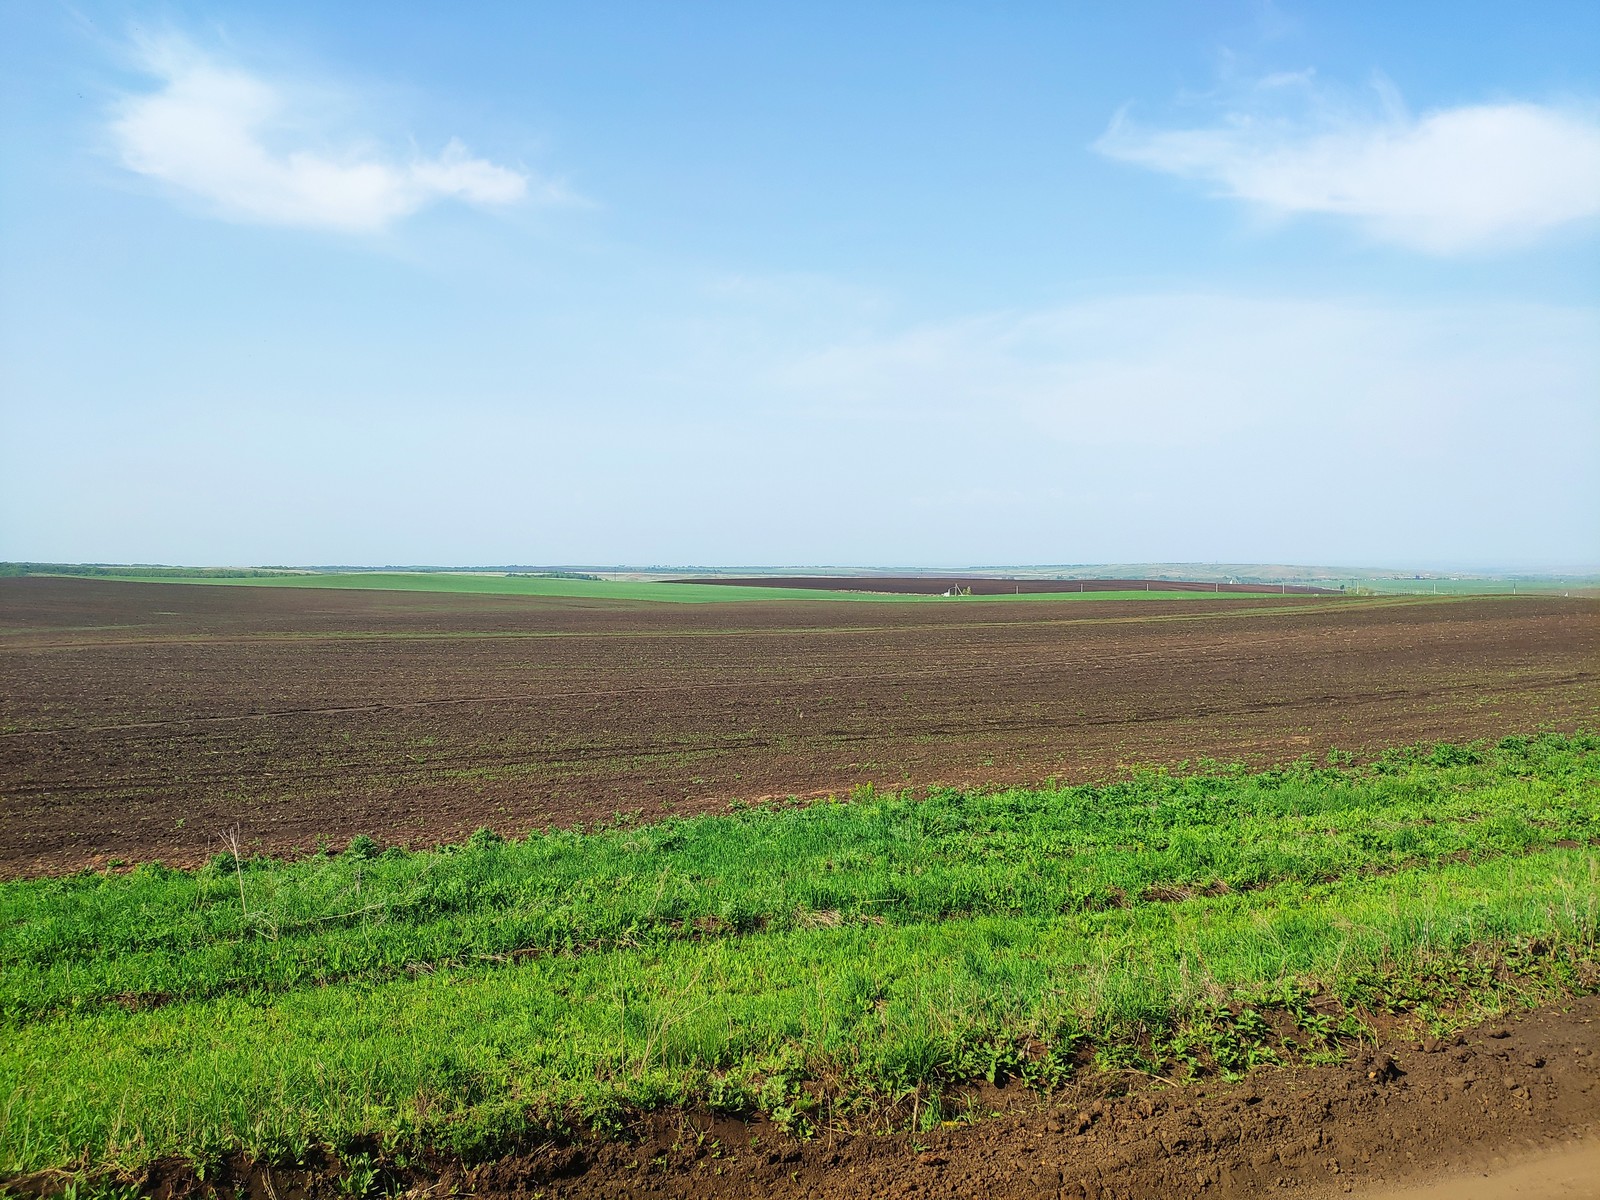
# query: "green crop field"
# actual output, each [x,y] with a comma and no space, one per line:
[1577,586]
[527,585]
[623,589]
[839,965]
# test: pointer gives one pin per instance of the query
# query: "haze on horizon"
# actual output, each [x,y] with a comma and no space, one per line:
[1258,282]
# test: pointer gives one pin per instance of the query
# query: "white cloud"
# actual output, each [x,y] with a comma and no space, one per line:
[252,151]
[1456,179]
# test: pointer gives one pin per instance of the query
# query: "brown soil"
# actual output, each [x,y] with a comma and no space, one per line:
[1501,1106]
[138,720]
[1565,1172]
[934,585]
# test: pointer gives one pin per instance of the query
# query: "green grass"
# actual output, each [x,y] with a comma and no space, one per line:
[1489,586]
[633,590]
[817,963]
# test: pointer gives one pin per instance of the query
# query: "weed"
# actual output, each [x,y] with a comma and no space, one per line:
[359,1178]
[484,839]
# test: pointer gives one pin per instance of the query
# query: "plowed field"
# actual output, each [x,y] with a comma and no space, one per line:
[933,585]
[138,720]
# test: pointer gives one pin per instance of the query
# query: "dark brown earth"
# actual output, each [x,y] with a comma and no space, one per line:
[138,720]
[934,585]
[1407,1110]
[1399,1109]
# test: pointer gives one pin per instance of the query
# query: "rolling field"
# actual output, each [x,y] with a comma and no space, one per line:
[726,590]
[909,586]
[350,892]
[140,720]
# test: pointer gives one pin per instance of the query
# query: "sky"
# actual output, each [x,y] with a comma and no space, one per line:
[884,284]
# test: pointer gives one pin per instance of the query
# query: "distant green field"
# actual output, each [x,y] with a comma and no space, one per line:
[670,593]
[1480,587]
[831,965]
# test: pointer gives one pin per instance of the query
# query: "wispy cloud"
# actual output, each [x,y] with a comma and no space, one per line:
[254,150]
[1451,180]
[1318,380]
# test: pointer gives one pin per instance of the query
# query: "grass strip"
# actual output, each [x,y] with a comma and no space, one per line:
[259,927]
[806,1024]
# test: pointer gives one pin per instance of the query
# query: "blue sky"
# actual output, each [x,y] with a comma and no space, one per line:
[870,284]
